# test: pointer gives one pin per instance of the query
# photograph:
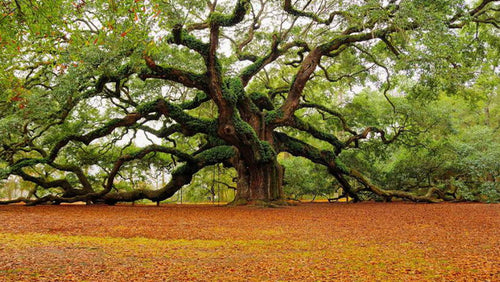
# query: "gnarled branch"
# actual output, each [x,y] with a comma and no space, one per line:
[188,79]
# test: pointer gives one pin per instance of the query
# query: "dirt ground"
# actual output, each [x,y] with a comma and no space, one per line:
[309,242]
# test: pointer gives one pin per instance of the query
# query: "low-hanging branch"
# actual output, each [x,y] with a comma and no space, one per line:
[165,108]
[326,158]
[388,194]
[339,170]
[139,155]
[180,176]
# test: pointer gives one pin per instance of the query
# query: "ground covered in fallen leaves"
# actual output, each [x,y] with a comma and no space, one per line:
[308,242]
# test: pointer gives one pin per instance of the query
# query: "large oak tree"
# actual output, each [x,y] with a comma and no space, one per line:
[231,82]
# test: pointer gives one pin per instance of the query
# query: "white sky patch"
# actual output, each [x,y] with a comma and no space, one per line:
[140,139]
[144,139]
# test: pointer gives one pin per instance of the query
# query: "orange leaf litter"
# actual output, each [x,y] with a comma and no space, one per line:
[309,242]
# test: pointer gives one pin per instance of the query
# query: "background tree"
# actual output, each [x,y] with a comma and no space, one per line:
[219,83]
[304,178]
[447,146]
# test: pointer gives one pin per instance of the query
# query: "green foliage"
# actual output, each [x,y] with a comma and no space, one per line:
[273,115]
[192,43]
[147,107]
[266,152]
[253,68]
[241,8]
[447,145]
[303,177]
[211,184]
[216,154]
[244,129]
[489,192]
[233,90]
[341,166]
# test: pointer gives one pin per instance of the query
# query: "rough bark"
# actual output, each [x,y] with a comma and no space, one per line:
[259,183]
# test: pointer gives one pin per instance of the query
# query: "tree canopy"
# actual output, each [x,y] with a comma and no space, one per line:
[99,97]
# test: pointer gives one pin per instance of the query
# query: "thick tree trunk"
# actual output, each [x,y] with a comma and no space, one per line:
[259,183]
